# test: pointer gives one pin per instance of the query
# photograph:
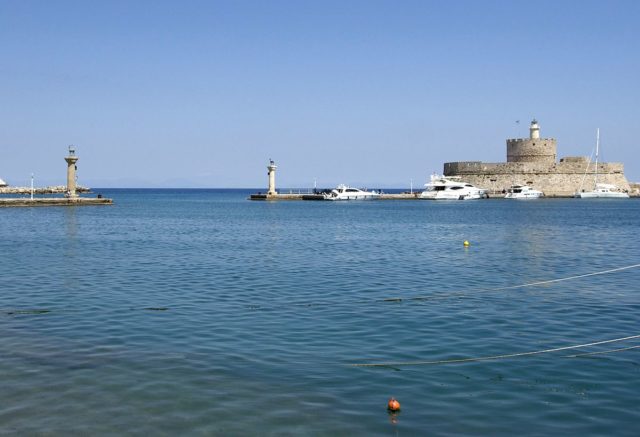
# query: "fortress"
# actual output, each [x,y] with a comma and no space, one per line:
[532,161]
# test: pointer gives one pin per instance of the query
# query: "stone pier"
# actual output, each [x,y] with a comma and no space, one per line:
[71,190]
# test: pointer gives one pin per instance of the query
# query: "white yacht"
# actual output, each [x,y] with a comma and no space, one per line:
[2,183]
[523,192]
[451,188]
[601,190]
[344,192]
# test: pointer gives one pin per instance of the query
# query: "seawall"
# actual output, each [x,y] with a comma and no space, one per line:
[55,201]
[561,179]
[310,196]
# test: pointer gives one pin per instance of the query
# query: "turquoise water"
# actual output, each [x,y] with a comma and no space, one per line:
[197,312]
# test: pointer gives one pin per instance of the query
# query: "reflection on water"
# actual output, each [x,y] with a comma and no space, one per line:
[70,252]
[71,222]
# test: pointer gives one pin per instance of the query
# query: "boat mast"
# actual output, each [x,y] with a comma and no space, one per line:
[595,181]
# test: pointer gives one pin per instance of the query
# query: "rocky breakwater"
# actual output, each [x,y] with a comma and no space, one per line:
[57,189]
[25,198]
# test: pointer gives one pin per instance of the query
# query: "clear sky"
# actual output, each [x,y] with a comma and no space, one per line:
[371,93]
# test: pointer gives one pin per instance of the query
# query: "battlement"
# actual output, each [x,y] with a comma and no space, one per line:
[568,167]
[532,150]
[579,159]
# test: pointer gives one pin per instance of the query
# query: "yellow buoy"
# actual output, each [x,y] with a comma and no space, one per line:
[466,243]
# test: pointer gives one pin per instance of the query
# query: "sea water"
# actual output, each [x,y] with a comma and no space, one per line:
[198,312]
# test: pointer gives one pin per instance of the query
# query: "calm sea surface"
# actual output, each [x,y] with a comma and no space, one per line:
[197,312]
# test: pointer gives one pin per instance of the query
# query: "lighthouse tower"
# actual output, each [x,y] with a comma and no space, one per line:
[272,178]
[534,130]
[532,149]
[71,172]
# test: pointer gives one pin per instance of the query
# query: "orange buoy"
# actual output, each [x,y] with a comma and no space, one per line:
[393,405]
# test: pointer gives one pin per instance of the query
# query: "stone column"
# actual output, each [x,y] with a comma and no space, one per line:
[71,172]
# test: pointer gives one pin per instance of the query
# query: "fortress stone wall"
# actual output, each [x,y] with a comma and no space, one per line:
[531,150]
[532,161]
[558,179]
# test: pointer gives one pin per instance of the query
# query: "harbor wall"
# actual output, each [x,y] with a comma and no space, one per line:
[564,178]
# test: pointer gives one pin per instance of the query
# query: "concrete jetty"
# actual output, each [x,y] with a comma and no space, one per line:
[71,190]
[320,197]
[55,201]
[277,196]
[272,193]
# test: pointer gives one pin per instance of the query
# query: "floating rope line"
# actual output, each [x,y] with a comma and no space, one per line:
[603,352]
[512,287]
[603,272]
[492,357]
[437,295]
[398,299]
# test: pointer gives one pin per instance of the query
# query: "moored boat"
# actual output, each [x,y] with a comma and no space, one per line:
[601,190]
[451,188]
[344,192]
[522,192]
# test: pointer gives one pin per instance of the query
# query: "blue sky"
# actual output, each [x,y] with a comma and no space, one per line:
[371,93]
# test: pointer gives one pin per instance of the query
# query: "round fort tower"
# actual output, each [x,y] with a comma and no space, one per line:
[532,149]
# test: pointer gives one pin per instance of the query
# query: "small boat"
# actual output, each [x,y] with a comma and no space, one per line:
[523,192]
[344,192]
[2,183]
[451,188]
[600,190]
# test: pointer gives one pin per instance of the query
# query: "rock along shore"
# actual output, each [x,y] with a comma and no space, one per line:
[57,189]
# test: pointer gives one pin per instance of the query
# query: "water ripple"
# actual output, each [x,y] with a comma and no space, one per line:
[199,312]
